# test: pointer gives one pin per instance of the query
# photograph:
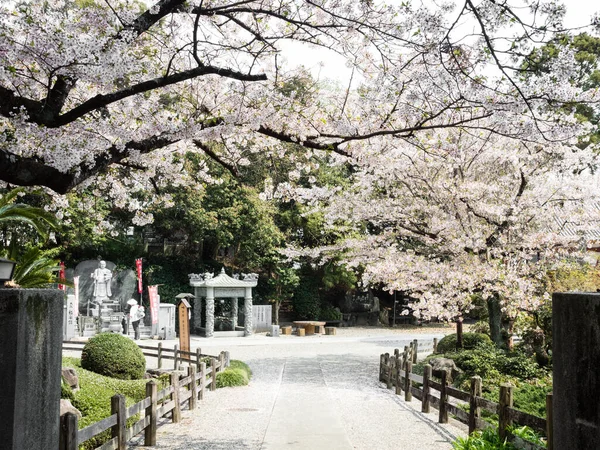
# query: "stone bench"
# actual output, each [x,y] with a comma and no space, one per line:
[310,326]
[286,330]
[330,330]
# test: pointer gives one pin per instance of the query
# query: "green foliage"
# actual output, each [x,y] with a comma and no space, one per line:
[93,399]
[527,434]
[114,355]
[36,267]
[470,341]
[495,365]
[41,220]
[328,312]
[307,300]
[482,440]
[65,391]
[237,374]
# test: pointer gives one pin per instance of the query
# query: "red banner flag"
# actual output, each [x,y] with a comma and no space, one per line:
[153,296]
[61,276]
[138,266]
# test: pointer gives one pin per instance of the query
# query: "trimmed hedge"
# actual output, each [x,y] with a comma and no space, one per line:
[93,399]
[470,341]
[237,374]
[115,356]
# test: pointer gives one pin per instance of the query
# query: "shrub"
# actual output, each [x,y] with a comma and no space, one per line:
[470,341]
[115,356]
[237,374]
[93,399]
[482,440]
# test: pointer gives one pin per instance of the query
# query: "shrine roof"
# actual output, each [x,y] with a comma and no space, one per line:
[223,280]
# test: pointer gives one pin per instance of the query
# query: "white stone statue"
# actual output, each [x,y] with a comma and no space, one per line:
[102,278]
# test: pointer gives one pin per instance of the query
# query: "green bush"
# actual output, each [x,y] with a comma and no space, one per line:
[93,399]
[470,341]
[482,440]
[237,374]
[115,356]
[328,312]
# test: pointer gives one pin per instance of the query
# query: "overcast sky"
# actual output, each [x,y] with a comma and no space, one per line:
[327,64]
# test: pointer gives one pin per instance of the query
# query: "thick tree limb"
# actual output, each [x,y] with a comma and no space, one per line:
[22,171]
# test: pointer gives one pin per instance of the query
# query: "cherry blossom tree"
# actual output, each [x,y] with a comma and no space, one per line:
[114,91]
[457,212]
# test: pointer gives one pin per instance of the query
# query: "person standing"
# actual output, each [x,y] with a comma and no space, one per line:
[136,313]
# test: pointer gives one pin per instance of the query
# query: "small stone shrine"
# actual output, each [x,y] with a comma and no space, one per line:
[216,306]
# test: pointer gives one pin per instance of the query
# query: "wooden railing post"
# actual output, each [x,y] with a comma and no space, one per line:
[389,381]
[426,377]
[176,357]
[68,432]
[474,410]
[198,358]
[549,426]
[193,387]
[506,401]
[159,355]
[151,412]
[381,363]
[117,406]
[435,342]
[415,351]
[407,390]
[221,361]
[405,357]
[213,373]
[398,362]
[444,398]
[386,362]
[203,379]
[176,413]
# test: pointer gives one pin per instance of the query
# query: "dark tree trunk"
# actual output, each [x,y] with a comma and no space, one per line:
[495,320]
[459,333]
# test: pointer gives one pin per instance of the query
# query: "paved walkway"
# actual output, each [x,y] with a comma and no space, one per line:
[307,393]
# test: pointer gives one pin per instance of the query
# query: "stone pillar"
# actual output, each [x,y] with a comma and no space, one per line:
[30,367]
[197,312]
[576,378]
[234,312]
[248,312]
[210,311]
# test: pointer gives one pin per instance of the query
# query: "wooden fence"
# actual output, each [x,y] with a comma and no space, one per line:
[170,400]
[159,352]
[396,371]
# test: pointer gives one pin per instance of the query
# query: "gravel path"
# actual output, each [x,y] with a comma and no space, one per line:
[309,393]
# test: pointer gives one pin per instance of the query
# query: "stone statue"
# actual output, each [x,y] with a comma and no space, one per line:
[102,278]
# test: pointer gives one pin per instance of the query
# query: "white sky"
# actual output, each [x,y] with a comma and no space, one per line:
[327,64]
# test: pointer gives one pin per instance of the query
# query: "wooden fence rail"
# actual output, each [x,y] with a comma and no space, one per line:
[396,371]
[183,390]
[160,353]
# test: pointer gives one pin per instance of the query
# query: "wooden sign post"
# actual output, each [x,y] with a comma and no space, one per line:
[183,310]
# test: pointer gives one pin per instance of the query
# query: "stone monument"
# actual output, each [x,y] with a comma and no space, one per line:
[30,368]
[102,278]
